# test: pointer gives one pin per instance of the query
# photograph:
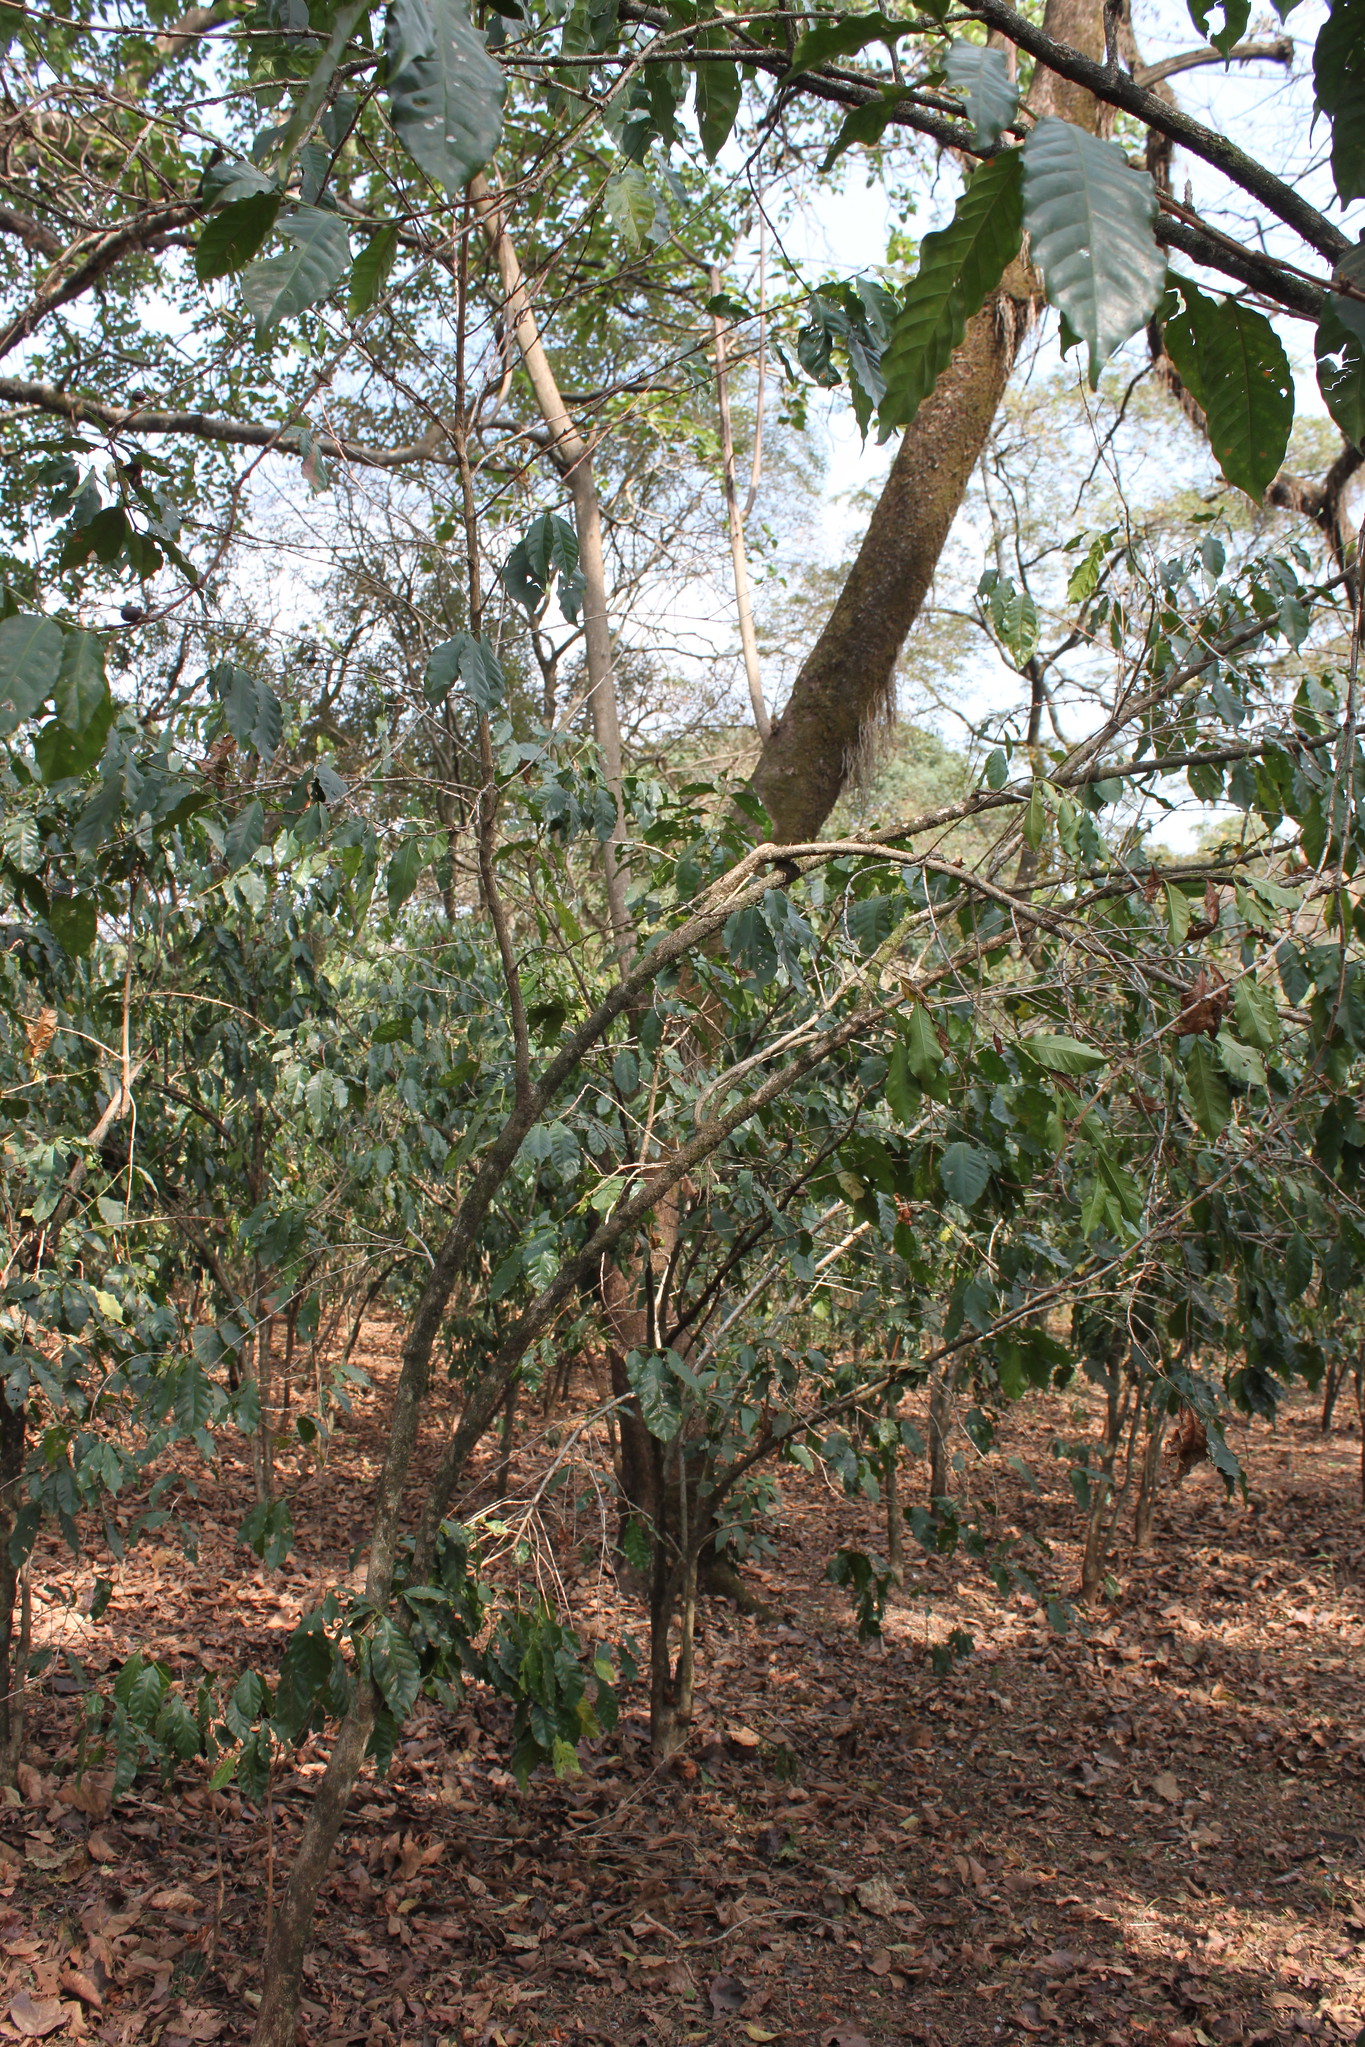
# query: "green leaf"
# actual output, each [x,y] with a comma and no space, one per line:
[1340,351]
[902,1096]
[230,239]
[992,95]
[403,869]
[633,205]
[73,924]
[1177,913]
[81,687]
[1058,1053]
[1297,1265]
[1035,818]
[370,270]
[1257,1018]
[31,652]
[959,265]
[548,548]
[843,35]
[308,269]
[964,1171]
[997,769]
[718,95]
[1205,1086]
[1242,1064]
[244,834]
[1236,15]
[1090,220]
[474,664]
[865,124]
[658,1393]
[445,91]
[1339,83]
[1231,359]
[393,1661]
[923,1053]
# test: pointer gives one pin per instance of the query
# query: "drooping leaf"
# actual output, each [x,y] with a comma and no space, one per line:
[1339,83]
[843,35]
[959,265]
[81,688]
[1236,15]
[992,95]
[964,1170]
[232,180]
[403,869]
[396,1669]
[1340,350]
[865,124]
[307,270]
[1058,1053]
[30,662]
[73,924]
[1090,220]
[1231,357]
[445,91]
[633,205]
[718,96]
[228,240]
[548,548]
[474,664]
[244,834]
[370,270]
[1207,1090]
[923,1053]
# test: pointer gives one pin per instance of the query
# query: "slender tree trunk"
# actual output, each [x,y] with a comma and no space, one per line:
[748,638]
[13,1649]
[1145,1511]
[895,1518]
[503,1476]
[572,456]
[1331,1386]
[938,1433]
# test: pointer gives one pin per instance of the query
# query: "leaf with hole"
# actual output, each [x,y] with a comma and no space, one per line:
[959,265]
[1340,351]
[315,258]
[445,91]
[1236,15]
[992,95]
[1090,224]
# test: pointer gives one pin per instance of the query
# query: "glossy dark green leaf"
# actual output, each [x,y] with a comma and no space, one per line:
[843,35]
[81,688]
[964,1170]
[30,663]
[1206,1089]
[229,239]
[718,97]
[1340,349]
[959,265]
[245,834]
[73,922]
[865,124]
[1230,358]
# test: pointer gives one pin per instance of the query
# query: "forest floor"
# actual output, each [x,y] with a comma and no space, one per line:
[1147,1833]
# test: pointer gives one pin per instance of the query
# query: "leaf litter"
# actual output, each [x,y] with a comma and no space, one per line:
[1144,1834]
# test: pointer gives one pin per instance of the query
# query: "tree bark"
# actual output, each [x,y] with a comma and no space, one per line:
[12,1646]
[848,680]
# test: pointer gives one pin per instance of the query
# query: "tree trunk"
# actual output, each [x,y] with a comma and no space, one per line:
[1331,1386]
[507,1437]
[895,1532]
[13,1647]
[848,680]
[938,1435]
[1145,1511]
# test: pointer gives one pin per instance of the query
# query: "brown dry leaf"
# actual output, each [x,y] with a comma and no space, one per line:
[176,1900]
[92,1794]
[197,2022]
[36,2017]
[727,1995]
[880,1963]
[32,1784]
[745,1738]
[99,1849]
[40,1030]
[1165,1786]
[846,2034]
[878,1896]
[83,1986]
